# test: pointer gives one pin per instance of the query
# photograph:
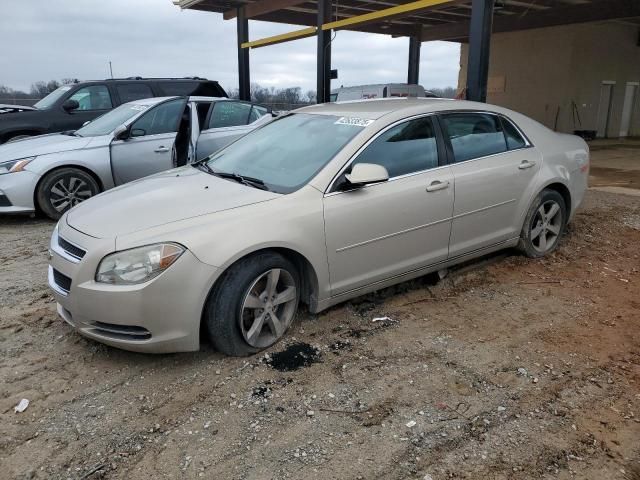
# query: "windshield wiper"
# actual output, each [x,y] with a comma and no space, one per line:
[202,165]
[250,181]
[71,133]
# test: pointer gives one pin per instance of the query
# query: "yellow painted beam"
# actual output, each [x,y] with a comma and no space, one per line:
[284,37]
[383,14]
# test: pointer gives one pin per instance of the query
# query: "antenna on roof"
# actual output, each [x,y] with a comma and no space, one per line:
[110,69]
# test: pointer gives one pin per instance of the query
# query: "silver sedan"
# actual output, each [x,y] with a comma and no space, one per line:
[317,207]
[52,173]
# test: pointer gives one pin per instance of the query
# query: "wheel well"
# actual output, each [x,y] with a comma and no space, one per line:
[308,278]
[564,191]
[78,167]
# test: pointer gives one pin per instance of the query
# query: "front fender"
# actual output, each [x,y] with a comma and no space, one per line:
[94,160]
[293,222]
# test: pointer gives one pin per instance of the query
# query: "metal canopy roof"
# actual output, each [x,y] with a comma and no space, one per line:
[444,21]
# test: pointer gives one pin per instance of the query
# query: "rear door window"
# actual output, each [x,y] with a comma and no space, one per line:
[229,114]
[474,135]
[129,92]
[406,148]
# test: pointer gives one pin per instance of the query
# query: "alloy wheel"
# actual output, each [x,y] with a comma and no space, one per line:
[268,308]
[68,192]
[546,226]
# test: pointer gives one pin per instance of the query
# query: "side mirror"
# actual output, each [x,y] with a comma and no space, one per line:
[70,105]
[137,132]
[366,173]
[121,133]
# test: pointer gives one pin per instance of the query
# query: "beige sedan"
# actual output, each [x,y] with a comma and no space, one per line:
[319,206]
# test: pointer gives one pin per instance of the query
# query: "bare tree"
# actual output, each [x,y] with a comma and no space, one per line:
[311,96]
[42,89]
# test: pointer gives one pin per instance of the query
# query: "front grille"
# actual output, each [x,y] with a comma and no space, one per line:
[71,249]
[4,201]
[62,281]
[121,332]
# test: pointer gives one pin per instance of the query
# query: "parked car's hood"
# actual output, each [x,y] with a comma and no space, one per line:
[8,108]
[159,199]
[41,145]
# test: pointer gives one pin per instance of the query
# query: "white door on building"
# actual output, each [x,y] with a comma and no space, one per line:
[630,94]
[604,107]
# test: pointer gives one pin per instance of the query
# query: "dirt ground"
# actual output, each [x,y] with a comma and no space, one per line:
[509,368]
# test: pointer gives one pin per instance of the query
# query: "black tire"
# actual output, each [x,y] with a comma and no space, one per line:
[76,184]
[224,313]
[536,225]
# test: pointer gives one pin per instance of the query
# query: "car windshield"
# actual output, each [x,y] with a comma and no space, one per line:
[52,98]
[107,123]
[286,153]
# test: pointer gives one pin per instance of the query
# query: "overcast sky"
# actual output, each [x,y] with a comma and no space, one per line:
[43,40]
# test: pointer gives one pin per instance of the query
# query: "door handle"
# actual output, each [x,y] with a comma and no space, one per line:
[161,150]
[437,185]
[526,164]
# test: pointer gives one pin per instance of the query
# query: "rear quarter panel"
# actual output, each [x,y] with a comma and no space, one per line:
[565,158]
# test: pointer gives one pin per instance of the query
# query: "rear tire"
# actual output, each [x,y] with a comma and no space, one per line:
[254,304]
[63,189]
[544,224]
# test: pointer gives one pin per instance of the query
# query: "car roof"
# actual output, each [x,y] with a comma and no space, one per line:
[376,108]
[156,100]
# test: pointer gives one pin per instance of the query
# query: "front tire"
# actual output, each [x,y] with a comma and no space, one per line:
[253,305]
[63,189]
[544,224]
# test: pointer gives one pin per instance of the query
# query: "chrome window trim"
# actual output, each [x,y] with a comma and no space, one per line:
[328,191]
[519,130]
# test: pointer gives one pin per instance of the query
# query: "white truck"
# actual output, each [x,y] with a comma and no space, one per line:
[382,90]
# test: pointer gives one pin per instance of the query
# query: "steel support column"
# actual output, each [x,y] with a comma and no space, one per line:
[414,59]
[323,93]
[479,45]
[243,56]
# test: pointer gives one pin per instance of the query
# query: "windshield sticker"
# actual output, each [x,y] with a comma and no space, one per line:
[139,108]
[355,121]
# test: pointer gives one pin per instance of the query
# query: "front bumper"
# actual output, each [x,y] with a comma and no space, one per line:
[160,316]
[17,192]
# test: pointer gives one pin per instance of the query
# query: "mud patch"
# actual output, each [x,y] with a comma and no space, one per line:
[335,347]
[377,413]
[295,356]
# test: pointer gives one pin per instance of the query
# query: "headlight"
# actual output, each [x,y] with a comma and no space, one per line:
[137,265]
[15,165]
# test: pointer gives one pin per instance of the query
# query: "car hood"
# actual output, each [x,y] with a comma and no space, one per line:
[41,145]
[8,108]
[163,198]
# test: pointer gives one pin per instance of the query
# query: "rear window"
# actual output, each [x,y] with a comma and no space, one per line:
[229,114]
[129,92]
[186,88]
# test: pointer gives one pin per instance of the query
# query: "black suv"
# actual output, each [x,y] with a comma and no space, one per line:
[68,107]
